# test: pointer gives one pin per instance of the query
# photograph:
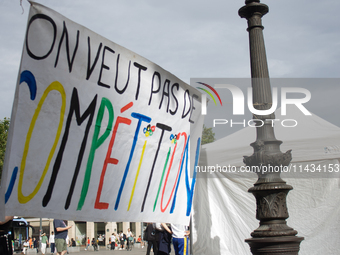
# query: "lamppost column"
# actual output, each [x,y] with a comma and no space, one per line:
[262,97]
[273,236]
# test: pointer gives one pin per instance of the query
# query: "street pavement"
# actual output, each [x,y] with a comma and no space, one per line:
[103,251]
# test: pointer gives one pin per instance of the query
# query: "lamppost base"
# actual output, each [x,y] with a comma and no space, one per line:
[287,245]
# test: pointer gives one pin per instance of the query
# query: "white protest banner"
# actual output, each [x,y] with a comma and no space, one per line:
[98,133]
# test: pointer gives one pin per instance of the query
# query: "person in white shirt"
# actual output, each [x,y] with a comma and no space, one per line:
[122,237]
[113,241]
[52,242]
[67,243]
[128,239]
[180,234]
[100,240]
[26,245]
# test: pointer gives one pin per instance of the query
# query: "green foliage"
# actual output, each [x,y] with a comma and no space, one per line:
[4,126]
[208,136]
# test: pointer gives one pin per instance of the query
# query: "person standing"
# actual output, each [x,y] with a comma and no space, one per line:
[129,236]
[35,244]
[151,238]
[113,241]
[180,234]
[60,230]
[30,242]
[122,238]
[44,242]
[164,239]
[88,243]
[52,242]
[67,243]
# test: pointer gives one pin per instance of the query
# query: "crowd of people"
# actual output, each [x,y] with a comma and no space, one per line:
[159,237]
[121,240]
[33,243]
[58,241]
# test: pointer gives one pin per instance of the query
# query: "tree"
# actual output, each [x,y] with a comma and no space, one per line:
[208,136]
[4,126]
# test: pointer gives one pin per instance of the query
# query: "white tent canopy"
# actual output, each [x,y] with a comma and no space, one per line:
[224,212]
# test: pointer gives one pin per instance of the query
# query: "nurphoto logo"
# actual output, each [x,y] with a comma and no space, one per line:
[238,104]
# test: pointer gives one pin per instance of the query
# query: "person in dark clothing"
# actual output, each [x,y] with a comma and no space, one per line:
[94,244]
[113,241]
[5,239]
[151,238]
[60,230]
[164,243]
[35,244]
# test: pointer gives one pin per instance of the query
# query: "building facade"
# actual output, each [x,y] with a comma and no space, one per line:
[81,230]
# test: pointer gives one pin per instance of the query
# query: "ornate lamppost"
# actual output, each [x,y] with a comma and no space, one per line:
[273,236]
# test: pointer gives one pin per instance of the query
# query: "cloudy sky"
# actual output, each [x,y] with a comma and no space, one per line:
[194,39]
